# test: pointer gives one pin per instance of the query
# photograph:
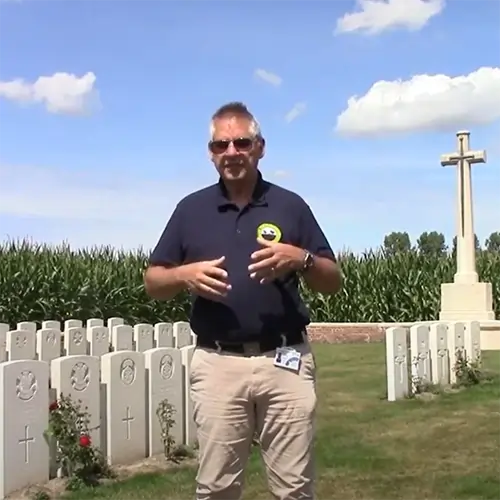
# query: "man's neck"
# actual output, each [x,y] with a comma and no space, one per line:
[241,193]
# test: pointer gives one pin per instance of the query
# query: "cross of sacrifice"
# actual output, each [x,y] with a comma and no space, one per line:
[463,159]
[127,420]
[26,442]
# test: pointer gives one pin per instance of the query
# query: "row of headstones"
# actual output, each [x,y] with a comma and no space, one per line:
[428,354]
[26,341]
[122,392]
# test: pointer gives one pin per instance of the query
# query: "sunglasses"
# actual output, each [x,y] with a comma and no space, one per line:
[242,144]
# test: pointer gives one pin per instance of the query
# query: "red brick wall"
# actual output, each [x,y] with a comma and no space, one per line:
[345,334]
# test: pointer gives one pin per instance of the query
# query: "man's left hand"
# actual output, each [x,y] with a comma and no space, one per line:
[274,260]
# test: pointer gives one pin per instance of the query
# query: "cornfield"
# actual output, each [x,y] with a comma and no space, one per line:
[39,282]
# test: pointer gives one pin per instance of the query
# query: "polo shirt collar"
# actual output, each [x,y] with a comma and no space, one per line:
[258,195]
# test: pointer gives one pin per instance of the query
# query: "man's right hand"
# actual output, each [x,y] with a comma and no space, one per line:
[207,279]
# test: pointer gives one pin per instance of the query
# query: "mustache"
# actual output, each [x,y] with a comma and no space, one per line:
[236,160]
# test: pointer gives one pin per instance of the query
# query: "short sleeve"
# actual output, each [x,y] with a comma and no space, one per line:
[311,235]
[170,249]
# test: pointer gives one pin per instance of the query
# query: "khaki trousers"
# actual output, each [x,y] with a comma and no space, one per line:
[236,397]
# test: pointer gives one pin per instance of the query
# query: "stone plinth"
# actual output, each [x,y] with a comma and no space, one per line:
[490,335]
[466,301]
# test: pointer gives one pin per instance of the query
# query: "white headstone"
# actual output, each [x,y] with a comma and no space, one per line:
[48,344]
[21,344]
[27,325]
[190,428]
[438,345]
[98,338]
[182,334]
[94,322]
[4,328]
[75,341]
[77,377]
[143,337]
[52,324]
[472,341]
[112,322]
[396,346]
[420,354]
[72,323]
[122,338]
[24,417]
[165,381]
[123,376]
[164,335]
[456,345]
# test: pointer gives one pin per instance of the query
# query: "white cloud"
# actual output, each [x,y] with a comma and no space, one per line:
[61,93]
[376,16]
[297,110]
[268,77]
[424,103]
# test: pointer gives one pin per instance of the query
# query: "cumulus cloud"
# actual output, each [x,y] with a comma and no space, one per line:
[375,16]
[61,93]
[297,110]
[268,77]
[424,103]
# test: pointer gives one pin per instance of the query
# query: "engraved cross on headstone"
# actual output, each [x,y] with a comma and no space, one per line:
[127,420]
[463,159]
[26,442]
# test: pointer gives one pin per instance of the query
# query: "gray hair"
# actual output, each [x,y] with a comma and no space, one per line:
[236,109]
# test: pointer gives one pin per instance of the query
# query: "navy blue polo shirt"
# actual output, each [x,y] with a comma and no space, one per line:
[206,225]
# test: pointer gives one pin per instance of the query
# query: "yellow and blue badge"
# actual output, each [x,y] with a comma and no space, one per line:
[269,232]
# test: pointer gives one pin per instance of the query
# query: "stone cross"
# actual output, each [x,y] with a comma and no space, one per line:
[26,443]
[127,420]
[466,248]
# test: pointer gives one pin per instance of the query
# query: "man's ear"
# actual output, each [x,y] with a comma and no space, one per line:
[262,148]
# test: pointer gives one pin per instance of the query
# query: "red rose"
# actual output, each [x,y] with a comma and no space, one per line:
[53,406]
[84,440]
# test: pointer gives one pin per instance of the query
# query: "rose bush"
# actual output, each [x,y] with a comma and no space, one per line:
[76,457]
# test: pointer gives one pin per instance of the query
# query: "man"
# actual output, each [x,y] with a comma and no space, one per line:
[239,247]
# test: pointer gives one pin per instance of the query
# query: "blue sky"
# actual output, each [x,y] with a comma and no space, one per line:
[101,149]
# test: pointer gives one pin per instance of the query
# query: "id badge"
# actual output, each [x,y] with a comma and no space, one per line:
[287,357]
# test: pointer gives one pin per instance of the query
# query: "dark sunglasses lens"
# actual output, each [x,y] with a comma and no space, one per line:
[218,147]
[243,144]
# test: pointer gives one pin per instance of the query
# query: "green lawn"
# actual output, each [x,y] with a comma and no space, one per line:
[447,447]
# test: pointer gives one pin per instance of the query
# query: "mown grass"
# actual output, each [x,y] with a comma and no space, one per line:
[367,448]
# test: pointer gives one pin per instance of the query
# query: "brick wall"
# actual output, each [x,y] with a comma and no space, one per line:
[333,333]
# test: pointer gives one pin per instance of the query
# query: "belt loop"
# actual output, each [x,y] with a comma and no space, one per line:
[283,340]
[219,348]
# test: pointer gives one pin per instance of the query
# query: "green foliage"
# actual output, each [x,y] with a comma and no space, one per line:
[81,462]
[39,282]
[468,373]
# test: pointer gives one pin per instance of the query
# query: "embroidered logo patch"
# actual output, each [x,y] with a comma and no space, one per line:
[269,232]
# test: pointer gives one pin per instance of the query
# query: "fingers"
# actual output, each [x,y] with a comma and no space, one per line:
[209,292]
[265,243]
[212,268]
[216,272]
[262,266]
[211,288]
[217,262]
[214,284]
[262,254]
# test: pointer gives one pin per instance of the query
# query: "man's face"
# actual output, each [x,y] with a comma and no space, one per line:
[233,150]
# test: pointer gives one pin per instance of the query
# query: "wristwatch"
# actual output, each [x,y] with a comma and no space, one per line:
[308,262]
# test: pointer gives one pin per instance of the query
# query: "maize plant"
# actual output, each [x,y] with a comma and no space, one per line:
[39,282]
